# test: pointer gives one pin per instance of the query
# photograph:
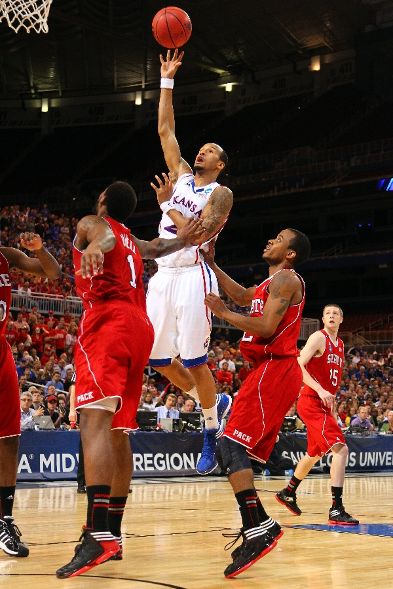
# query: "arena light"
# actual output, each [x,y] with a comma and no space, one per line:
[315,63]
[228,87]
[138,98]
[44,104]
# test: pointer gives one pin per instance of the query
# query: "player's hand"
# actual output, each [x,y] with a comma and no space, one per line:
[327,399]
[216,305]
[163,189]
[92,262]
[210,252]
[192,232]
[31,241]
[171,64]
[72,416]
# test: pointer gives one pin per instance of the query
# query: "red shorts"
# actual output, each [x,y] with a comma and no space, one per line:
[323,431]
[262,403]
[114,344]
[9,393]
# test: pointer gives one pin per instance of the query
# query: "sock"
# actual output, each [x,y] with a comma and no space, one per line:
[97,507]
[293,485]
[115,514]
[193,393]
[247,501]
[7,495]
[210,415]
[337,496]
[262,515]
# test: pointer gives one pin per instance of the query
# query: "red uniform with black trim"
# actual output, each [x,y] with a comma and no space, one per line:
[115,335]
[323,430]
[273,386]
[9,388]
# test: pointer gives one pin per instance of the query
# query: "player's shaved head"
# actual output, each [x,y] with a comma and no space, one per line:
[120,200]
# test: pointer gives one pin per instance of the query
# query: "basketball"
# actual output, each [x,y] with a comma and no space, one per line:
[171,27]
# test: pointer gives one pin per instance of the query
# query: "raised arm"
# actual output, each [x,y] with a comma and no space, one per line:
[95,238]
[239,295]
[315,346]
[189,234]
[284,290]
[166,117]
[44,264]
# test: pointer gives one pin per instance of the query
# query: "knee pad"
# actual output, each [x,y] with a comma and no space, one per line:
[231,456]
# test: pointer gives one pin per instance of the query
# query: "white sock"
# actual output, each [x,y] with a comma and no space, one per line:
[210,415]
[193,393]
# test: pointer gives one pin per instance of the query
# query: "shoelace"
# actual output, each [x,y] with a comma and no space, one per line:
[15,531]
[235,535]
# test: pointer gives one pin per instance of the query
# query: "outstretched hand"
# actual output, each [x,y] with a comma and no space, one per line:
[216,305]
[164,189]
[31,241]
[191,232]
[171,64]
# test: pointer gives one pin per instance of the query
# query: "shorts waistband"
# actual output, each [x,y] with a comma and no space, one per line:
[178,269]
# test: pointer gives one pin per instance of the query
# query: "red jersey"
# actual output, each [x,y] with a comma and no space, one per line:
[5,293]
[283,343]
[123,270]
[327,369]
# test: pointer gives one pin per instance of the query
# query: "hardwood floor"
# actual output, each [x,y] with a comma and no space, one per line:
[173,537]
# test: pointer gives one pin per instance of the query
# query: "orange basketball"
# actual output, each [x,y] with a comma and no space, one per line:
[171,27]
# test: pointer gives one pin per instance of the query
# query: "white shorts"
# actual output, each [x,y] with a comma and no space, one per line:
[177,310]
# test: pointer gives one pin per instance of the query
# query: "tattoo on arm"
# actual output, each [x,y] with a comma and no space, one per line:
[282,287]
[218,209]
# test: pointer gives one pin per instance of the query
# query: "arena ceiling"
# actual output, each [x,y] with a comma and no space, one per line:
[104,46]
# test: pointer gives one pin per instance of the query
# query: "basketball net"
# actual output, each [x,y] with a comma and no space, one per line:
[27,14]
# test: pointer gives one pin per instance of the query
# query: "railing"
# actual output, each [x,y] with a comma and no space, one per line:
[46,302]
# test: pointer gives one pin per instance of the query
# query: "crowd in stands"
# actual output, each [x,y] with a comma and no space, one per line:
[43,345]
[43,351]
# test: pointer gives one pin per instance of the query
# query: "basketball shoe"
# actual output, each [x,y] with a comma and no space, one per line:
[119,553]
[251,550]
[271,526]
[339,517]
[96,548]
[10,538]
[289,501]
[208,461]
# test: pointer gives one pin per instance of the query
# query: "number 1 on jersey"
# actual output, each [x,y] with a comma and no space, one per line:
[130,261]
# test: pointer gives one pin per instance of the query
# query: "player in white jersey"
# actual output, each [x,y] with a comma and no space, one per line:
[176,295]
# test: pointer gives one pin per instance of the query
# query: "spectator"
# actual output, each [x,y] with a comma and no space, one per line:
[52,410]
[227,357]
[56,381]
[244,370]
[387,426]
[224,375]
[189,406]
[27,413]
[147,401]
[362,420]
[168,410]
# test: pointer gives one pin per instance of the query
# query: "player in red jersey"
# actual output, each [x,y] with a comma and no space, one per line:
[114,343]
[42,265]
[322,362]
[269,342]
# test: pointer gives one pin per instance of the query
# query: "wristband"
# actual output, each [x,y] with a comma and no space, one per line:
[167,83]
[166,206]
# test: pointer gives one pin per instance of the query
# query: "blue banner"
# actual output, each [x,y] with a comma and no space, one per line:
[372,453]
[54,455]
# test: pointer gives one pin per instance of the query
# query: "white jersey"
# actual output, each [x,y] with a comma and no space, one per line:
[190,201]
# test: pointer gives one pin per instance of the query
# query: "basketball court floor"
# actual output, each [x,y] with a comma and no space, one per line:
[173,537]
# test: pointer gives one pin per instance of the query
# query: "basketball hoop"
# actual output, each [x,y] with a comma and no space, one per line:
[27,14]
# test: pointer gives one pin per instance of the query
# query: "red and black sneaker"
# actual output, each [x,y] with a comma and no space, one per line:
[119,553]
[289,501]
[274,530]
[250,552]
[339,517]
[96,548]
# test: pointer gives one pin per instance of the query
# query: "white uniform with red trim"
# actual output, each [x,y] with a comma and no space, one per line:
[175,298]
